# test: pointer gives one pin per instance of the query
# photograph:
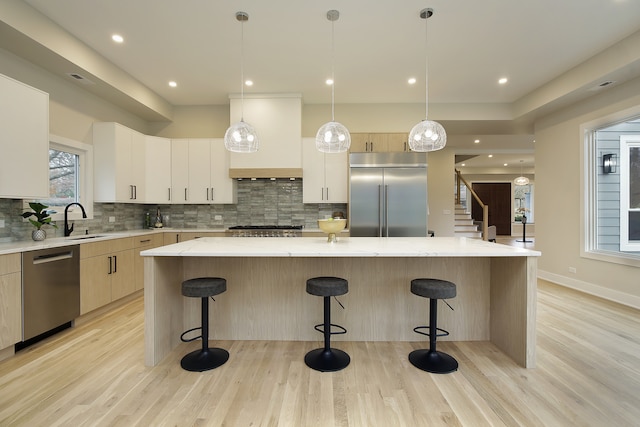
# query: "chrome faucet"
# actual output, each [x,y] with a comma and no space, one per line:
[67,229]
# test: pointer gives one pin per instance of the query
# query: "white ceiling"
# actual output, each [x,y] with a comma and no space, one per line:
[378,46]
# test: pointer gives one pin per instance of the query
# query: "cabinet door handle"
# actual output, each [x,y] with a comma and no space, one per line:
[169,199]
[115,264]
[327,193]
[135,192]
[213,197]
[130,192]
[207,193]
[185,194]
[110,265]
[145,241]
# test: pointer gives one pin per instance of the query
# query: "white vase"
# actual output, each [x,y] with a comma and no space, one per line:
[38,235]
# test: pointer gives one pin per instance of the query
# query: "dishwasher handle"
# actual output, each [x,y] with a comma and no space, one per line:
[59,256]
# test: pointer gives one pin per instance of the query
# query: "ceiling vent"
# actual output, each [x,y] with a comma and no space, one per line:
[602,85]
[80,79]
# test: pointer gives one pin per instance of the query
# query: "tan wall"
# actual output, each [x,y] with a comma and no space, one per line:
[558,199]
[72,110]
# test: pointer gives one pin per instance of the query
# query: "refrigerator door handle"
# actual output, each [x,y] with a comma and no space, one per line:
[380,211]
[386,211]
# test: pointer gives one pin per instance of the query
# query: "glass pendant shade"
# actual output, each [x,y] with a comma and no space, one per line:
[241,137]
[521,180]
[427,136]
[333,137]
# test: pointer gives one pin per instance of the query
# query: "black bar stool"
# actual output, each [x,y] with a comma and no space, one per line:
[205,358]
[327,359]
[432,360]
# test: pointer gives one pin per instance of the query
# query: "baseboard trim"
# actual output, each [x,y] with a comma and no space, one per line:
[591,289]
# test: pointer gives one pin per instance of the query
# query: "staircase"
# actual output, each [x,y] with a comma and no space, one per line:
[464,226]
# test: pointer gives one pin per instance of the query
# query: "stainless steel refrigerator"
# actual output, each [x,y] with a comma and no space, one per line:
[388,195]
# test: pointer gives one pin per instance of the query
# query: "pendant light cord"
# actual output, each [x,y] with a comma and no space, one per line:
[242,70]
[333,76]
[426,67]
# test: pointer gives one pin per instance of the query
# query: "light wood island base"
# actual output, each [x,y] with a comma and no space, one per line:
[266,297]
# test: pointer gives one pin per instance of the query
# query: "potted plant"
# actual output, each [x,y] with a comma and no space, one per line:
[43,217]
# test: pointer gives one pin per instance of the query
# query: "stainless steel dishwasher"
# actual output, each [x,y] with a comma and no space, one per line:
[50,289]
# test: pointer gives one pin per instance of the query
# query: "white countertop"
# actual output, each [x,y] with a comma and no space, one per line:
[345,247]
[75,239]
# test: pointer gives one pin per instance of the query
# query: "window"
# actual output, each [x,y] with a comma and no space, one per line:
[630,192]
[64,168]
[70,177]
[612,195]
[523,202]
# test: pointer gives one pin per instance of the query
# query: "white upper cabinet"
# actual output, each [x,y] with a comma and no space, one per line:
[324,175]
[201,169]
[119,164]
[157,170]
[24,140]
[179,170]
[277,120]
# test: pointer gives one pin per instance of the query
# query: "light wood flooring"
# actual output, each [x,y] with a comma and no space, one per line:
[588,374]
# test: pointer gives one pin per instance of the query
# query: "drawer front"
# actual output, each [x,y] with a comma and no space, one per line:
[10,263]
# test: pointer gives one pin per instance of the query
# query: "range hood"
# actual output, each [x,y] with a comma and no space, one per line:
[266,173]
[277,119]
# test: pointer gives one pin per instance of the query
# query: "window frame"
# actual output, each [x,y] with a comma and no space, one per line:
[626,142]
[590,166]
[85,177]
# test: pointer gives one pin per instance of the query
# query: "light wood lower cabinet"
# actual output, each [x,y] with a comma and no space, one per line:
[106,272]
[10,300]
[177,237]
[142,243]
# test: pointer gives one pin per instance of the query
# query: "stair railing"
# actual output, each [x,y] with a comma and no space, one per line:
[485,208]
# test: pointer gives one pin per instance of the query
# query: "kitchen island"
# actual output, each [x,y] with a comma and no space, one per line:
[266,295]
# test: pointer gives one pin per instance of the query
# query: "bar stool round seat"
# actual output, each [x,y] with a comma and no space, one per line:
[431,360]
[205,358]
[327,359]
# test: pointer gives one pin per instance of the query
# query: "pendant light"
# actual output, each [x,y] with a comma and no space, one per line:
[521,180]
[241,137]
[427,135]
[333,137]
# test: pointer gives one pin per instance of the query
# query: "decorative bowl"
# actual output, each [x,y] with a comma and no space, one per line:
[331,226]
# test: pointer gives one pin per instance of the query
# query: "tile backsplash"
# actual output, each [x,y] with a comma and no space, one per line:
[260,202]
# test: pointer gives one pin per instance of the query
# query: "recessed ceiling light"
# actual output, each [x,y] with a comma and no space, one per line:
[477,141]
[173,84]
[464,164]
[412,81]
[503,80]
[490,155]
[506,164]
[117,38]
[329,82]
[249,82]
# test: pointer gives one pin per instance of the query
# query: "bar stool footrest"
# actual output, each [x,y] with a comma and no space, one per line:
[320,328]
[418,330]
[183,339]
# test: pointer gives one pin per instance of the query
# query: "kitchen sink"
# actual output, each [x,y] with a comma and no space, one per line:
[85,237]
